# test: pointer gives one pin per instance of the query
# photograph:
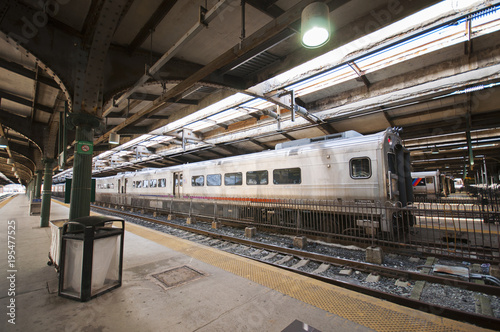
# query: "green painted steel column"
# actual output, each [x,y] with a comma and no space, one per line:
[79,205]
[38,183]
[46,193]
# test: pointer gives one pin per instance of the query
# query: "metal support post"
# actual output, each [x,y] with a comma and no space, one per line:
[82,165]
[46,193]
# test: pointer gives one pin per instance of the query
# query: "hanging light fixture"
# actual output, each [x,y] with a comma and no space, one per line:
[114,138]
[315,25]
[3,142]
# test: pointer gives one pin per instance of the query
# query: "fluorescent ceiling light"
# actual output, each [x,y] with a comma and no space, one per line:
[114,138]
[3,142]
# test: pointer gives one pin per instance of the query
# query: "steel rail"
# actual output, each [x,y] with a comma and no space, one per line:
[365,267]
[472,318]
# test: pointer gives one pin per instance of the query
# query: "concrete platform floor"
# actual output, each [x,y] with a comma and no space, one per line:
[216,301]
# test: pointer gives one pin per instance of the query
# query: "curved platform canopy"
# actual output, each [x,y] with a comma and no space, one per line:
[177,82]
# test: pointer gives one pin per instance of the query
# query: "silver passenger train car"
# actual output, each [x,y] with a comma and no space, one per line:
[371,170]
[432,184]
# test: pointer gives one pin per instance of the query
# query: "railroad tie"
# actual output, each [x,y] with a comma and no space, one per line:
[322,268]
[214,242]
[284,260]
[270,256]
[483,303]
[300,264]
[420,284]
[256,252]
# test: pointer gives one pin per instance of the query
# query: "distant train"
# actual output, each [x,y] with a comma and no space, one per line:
[347,167]
[432,184]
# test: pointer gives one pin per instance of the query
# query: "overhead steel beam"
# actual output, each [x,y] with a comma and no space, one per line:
[33,131]
[359,27]
[35,94]
[262,145]
[136,130]
[287,136]
[21,70]
[232,150]
[89,88]
[209,16]
[25,102]
[451,125]
[90,23]
[124,116]
[151,97]
[266,7]
[158,15]
[360,73]
[261,36]
[280,37]
[51,48]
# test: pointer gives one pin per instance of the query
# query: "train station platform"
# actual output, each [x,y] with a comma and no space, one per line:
[209,290]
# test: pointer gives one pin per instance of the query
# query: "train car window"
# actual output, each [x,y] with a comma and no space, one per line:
[214,180]
[145,184]
[360,168]
[112,186]
[198,181]
[153,183]
[287,176]
[257,178]
[162,183]
[429,180]
[392,162]
[233,179]
[138,184]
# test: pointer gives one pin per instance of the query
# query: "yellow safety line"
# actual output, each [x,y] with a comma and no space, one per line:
[359,308]
[2,204]
[368,311]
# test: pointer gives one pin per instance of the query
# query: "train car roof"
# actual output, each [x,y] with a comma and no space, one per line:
[343,141]
[426,173]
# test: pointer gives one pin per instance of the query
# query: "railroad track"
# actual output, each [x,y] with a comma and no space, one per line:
[316,265]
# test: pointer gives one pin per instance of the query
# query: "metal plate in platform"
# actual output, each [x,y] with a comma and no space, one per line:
[298,326]
[177,276]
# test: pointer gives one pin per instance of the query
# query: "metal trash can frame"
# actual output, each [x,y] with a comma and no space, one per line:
[55,242]
[91,257]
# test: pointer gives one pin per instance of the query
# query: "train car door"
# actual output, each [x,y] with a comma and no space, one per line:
[124,189]
[177,183]
[119,186]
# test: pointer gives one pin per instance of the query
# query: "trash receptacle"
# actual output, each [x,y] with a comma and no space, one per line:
[91,257]
[35,206]
[55,232]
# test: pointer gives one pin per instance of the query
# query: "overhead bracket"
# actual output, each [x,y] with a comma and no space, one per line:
[292,101]
[275,115]
[203,12]
[294,108]
[361,74]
